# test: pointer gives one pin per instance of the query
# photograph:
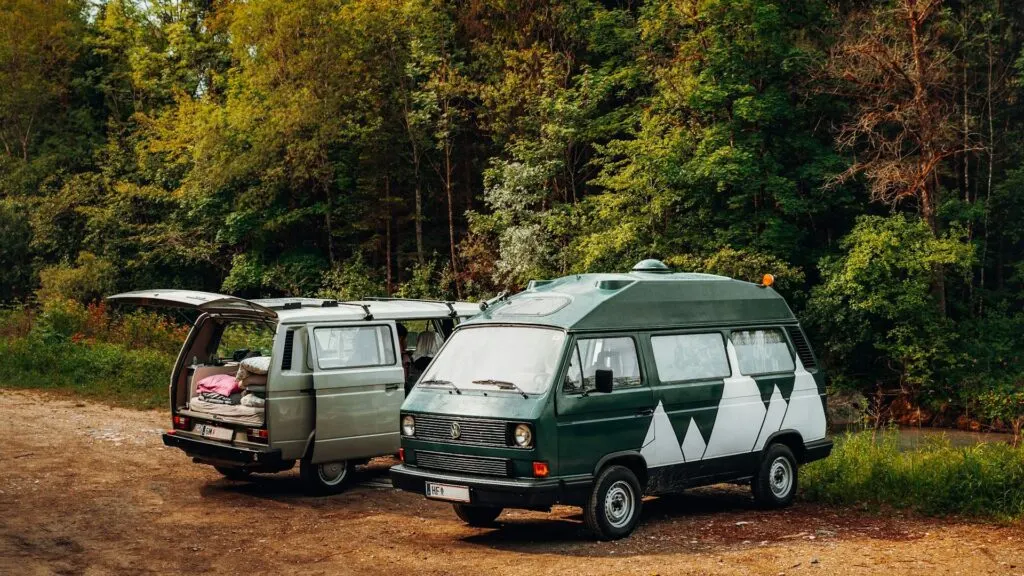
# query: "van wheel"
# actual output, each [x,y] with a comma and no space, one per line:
[478,516]
[613,510]
[233,473]
[775,484]
[324,478]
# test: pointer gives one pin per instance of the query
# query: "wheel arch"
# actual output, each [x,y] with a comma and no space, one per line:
[792,439]
[630,459]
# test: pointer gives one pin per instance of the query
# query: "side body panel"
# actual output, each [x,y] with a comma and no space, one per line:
[592,426]
[357,409]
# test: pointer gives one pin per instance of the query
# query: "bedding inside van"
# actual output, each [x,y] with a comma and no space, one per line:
[214,391]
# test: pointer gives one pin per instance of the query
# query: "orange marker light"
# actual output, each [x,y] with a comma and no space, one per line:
[401,454]
[540,469]
[767,280]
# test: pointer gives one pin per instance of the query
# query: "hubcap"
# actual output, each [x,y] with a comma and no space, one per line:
[619,503]
[780,477]
[332,473]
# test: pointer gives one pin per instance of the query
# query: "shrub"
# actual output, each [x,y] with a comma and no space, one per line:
[89,280]
[985,480]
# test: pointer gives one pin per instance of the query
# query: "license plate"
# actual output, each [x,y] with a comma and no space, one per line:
[447,492]
[215,432]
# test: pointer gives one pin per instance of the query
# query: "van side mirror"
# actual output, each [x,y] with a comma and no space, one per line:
[603,381]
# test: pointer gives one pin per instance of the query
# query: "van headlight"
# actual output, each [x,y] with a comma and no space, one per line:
[408,425]
[523,436]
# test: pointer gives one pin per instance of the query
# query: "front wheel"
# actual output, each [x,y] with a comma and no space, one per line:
[477,516]
[775,484]
[324,478]
[613,510]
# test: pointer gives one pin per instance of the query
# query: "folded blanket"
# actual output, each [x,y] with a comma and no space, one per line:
[215,398]
[236,414]
[253,401]
[223,384]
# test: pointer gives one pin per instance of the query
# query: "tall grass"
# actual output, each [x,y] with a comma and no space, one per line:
[123,360]
[985,480]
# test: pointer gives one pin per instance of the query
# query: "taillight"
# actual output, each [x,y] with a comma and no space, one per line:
[181,422]
[258,434]
[401,454]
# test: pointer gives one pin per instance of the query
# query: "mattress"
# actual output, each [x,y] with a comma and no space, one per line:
[235,413]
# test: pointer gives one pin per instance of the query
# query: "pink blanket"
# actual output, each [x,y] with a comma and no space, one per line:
[224,384]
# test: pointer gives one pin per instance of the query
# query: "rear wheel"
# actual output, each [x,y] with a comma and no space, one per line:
[479,516]
[324,478]
[233,473]
[613,510]
[775,484]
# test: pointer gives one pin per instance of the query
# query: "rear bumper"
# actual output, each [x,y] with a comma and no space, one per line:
[536,494]
[220,453]
[817,450]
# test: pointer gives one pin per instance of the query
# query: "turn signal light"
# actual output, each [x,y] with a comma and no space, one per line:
[181,422]
[540,469]
[767,280]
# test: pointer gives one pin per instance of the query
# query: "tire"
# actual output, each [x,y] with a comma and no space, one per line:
[777,478]
[325,478]
[233,473]
[613,509]
[477,516]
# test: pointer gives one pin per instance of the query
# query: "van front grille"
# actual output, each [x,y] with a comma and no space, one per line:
[467,464]
[467,431]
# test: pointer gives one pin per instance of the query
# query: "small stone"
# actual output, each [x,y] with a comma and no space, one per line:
[814,560]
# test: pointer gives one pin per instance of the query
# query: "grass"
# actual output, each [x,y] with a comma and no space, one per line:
[110,373]
[868,468]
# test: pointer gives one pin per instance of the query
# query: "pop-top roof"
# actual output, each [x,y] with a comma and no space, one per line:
[652,298]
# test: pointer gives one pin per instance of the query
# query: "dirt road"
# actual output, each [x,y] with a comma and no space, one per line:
[88,489]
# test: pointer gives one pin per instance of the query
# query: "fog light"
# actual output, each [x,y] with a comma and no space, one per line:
[523,436]
[540,469]
[408,425]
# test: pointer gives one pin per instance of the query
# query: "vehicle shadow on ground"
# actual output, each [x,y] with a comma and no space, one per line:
[286,487]
[541,535]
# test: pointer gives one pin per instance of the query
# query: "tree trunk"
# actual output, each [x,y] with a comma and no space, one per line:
[419,211]
[451,217]
[387,233]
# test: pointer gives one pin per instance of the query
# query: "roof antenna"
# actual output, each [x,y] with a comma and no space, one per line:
[488,303]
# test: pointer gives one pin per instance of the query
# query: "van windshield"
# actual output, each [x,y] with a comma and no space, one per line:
[513,358]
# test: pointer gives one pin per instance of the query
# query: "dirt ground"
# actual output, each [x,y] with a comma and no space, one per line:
[89,489]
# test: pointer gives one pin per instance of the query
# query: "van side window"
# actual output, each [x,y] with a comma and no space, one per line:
[574,377]
[681,357]
[615,354]
[354,346]
[762,351]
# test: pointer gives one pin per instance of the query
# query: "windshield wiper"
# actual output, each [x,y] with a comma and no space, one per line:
[503,384]
[442,383]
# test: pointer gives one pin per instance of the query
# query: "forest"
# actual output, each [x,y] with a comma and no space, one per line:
[869,154]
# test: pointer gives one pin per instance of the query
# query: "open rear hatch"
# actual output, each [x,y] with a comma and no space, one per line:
[208,302]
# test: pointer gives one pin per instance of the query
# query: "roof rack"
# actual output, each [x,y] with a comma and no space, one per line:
[449,303]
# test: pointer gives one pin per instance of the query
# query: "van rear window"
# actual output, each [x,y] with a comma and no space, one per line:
[762,351]
[681,357]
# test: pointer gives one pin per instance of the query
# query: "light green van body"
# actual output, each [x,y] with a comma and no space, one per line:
[676,416]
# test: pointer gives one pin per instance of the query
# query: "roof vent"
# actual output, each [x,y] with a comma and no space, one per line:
[613,284]
[652,266]
[534,284]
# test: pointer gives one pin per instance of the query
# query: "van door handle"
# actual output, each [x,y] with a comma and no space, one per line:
[390,387]
[645,412]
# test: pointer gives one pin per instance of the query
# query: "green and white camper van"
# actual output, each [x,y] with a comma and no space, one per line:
[596,389]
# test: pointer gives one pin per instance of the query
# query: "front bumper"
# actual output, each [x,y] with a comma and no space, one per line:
[220,453]
[817,450]
[534,494]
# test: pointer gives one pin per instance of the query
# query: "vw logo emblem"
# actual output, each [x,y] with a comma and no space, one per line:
[456,430]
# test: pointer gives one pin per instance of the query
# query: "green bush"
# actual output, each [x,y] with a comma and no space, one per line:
[89,280]
[985,480]
[101,371]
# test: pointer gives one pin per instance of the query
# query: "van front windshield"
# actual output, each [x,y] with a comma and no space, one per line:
[513,358]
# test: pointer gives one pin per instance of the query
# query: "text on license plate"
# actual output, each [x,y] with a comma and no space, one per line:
[447,492]
[215,432]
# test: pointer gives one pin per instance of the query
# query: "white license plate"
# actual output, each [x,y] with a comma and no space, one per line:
[215,432]
[447,492]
